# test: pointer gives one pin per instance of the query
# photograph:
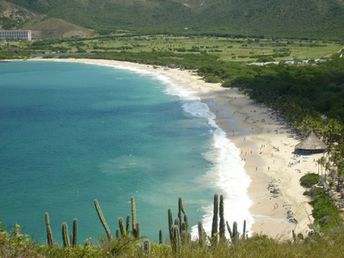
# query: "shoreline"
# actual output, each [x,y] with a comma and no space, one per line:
[266,144]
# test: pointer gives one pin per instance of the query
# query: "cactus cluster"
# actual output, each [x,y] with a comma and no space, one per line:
[176,241]
[179,231]
[179,234]
[218,231]
[123,226]
[67,240]
[71,240]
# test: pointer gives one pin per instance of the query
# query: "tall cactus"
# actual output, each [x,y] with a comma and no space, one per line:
[177,223]
[160,237]
[201,234]
[215,218]
[229,229]
[122,227]
[127,224]
[183,233]
[75,233]
[170,223]
[103,220]
[138,231]
[222,219]
[186,222]
[65,237]
[50,238]
[180,212]
[176,240]
[180,205]
[244,230]
[133,216]
[235,232]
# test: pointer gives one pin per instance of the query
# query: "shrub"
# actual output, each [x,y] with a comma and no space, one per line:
[212,79]
[264,59]
[325,212]
[309,180]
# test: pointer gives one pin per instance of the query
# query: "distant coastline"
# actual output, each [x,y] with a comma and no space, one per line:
[266,144]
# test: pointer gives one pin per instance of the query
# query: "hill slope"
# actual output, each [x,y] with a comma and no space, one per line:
[13,16]
[309,18]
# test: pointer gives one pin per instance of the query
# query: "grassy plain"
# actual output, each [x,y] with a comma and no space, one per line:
[224,48]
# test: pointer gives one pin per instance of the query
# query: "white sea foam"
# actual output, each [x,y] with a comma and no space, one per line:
[227,175]
[230,179]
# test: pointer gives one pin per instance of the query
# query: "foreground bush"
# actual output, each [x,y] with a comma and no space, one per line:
[127,242]
[327,245]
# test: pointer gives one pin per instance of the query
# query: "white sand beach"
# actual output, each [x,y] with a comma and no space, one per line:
[266,143]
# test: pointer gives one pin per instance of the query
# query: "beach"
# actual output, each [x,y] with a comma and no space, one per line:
[266,143]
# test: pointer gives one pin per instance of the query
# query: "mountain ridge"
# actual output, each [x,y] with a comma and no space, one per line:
[283,18]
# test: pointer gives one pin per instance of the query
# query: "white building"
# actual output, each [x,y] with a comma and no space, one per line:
[15,35]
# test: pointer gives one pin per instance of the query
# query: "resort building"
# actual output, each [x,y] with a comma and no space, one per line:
[15,35]
[310,145]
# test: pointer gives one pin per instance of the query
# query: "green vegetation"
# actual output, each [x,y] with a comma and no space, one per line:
[179,243]
[325,213]
[13,52]
[286,18]
[310,96]
[12,16]
[298,91]
[309,180]
[10,22]
[148,47]
[329,245]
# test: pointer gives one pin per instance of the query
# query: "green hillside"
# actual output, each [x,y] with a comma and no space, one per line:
[299,18]
[13,16]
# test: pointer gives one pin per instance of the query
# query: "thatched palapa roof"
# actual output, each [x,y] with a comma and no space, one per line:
[311,144]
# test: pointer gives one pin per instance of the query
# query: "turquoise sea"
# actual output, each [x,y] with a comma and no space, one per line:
[70,133]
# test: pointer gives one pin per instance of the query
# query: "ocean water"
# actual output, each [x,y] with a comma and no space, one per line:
[70,133]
